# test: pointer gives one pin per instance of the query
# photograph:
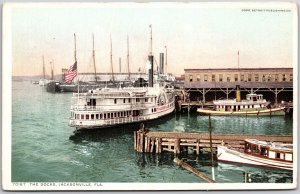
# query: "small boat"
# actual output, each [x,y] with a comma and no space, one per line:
[43,81]
[253,105]
[259,153]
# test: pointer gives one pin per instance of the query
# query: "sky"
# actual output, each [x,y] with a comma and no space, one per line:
[196,36]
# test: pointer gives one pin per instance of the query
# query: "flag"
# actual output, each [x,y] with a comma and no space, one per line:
[71,73]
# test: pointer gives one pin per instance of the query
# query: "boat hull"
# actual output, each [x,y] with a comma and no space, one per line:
[227,155]
[265,112]
[97,124]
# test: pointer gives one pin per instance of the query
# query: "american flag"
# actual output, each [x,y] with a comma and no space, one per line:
[71,73]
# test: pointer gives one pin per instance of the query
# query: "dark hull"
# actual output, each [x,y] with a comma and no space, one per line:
[53,87]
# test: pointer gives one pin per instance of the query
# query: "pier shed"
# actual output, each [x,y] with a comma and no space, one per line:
[276,84]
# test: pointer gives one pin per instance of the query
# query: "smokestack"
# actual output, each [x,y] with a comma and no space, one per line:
[150,82]
[161,63]
[238,93]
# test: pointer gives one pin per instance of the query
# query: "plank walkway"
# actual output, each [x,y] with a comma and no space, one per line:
[157,142]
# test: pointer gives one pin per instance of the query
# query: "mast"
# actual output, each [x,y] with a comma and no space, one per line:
[128,57]
[52,69]
[94,61]
[150,26]
[111,62]
[43,68]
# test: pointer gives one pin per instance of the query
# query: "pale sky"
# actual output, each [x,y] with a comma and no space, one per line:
[195,36]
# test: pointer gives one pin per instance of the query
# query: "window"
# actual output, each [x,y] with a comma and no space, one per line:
[108,115]
[220,77]
[115,101]
[213,77]
[97,116]
[92,116]
[256,77]
[191,78]
[124,100]
[291,77]
[283,78]
[104,115]
[205,77]
[242,77]
[276,77]
[236,77]
[269,78]
[146,99]
[277,155]
[198,78]
[137,100]
[249,77]
[228,77]
[100,116]
[87,117]
[263,78]
[129,100]
[82,116]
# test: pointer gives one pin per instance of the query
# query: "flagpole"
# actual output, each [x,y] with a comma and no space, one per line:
[76,68]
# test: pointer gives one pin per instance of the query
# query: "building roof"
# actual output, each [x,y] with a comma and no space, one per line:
[239,69]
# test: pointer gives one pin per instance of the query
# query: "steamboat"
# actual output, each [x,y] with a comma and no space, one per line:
[259,153]
[253,105]
[106,107]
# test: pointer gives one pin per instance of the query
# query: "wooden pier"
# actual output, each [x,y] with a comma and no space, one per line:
[157,142]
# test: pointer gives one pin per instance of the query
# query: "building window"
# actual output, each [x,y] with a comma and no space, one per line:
[220,77]
[242,77]
[263,78]
[276,78]
[291,77]
[129,100]
[92,116]
[115,101]
[108,115]
[100,116]
[228,77]
[256,77]
[191,78]
[213,77]
[249,77]
[137,100]
[205,77]
[146,99]
[283,78]
[124,100]
[269,78]
[87,117]
[198,78]
[97,116]
[236,77]
[82,117]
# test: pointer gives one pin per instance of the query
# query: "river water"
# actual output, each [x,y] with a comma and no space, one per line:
[45,149]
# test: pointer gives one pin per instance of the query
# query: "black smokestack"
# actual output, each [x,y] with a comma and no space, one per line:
[150,83]
[161,63]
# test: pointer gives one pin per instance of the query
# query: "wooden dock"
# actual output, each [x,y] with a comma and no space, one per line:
[157,142]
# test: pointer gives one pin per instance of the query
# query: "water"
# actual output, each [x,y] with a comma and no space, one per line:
[44,148]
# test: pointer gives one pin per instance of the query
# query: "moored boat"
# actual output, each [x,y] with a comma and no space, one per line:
[259,153]
[253,105]
[115,106]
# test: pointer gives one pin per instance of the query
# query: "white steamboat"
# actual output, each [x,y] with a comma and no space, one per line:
[108,107]
[115,106]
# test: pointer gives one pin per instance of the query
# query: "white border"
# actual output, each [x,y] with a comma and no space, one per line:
[7,97]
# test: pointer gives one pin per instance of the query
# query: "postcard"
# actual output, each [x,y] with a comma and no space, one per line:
[149,96]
